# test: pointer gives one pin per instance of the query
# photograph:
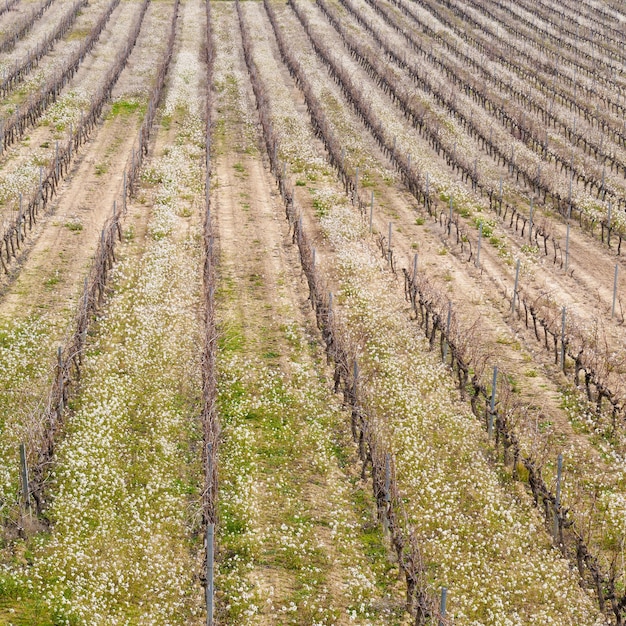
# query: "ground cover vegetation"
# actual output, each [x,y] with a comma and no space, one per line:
[311,312]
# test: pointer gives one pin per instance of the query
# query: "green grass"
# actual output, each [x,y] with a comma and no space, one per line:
[320,207]
[20,610]
[231,338]
[74,225]
[126,107]
[101,168]
[52,281]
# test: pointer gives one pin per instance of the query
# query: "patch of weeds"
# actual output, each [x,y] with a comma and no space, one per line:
[231,338]
[341,454]
[487,225]
[298,166]
[529,249]
[74,225]
[580,412]
[420,221]
[496,242]
[522,472]
[52,281]
[29,611]
[101,168]
[321,210]
[300,183]
[77,35]
[506,341]
[239,168]
[513,383]
[545,425]
[124,107]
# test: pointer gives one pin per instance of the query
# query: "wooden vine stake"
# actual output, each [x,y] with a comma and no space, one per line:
[125,192]
[445,341]
[557,497]
[614,290]
[387,491]
[24,473]
[210,532]
[492,404]
[515,287]
[442,606]
[563,317]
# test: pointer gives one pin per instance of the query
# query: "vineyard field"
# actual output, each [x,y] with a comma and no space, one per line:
[312,312]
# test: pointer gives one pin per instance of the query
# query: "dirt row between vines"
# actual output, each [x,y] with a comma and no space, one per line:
[297,541]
